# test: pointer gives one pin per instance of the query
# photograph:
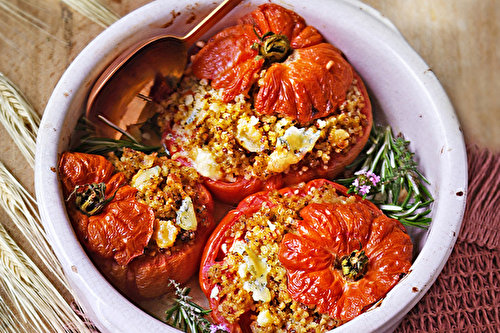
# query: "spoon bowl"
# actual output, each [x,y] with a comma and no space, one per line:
[131,75]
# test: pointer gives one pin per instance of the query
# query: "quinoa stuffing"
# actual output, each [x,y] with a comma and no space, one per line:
[251,275]
[169,188]
[226,140]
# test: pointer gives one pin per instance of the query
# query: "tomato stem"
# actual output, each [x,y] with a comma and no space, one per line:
[354,266]
[93,198]
[272,47]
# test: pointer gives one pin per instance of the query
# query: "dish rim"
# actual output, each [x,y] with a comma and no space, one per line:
[81,271]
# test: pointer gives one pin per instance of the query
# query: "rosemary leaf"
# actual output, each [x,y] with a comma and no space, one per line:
[400,192]
[189,316]
[102,146]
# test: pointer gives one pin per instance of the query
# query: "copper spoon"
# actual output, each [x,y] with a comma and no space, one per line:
[114,91]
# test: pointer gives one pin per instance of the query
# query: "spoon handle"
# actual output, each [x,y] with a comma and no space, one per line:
[210,20]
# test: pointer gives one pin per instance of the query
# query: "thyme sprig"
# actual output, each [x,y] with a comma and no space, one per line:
[400,189]
[189,316]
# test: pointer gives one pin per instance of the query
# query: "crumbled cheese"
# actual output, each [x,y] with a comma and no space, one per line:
[185,216]
[264,318]
[248,134]
[271,226]
[214,293]
[165,233]
[255,270]
[206,165]
[145,178]
[292,147]
[242,270]
[238,247]
[243,142]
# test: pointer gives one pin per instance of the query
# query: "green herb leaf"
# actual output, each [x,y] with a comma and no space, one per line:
[90,143]
[189,316]
[401,192]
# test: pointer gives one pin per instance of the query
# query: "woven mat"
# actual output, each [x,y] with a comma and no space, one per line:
[466,295]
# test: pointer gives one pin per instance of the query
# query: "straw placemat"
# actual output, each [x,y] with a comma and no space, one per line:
[466,295]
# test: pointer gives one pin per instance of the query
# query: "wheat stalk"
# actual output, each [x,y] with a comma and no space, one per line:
[21,208]
[19,13]
[19,118]
[37,302]
[22,122]
[94,10]
[10,322]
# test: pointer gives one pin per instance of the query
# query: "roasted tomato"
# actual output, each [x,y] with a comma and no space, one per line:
[139,243]
[305,258]
[270,98]
[304,78]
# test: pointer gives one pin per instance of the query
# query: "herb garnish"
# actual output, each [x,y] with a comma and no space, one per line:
[388,175]
[90,143]
[189,316]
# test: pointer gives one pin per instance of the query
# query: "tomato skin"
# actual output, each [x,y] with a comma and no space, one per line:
[147,277]
[124,227]
[116,237]
[234,192]
[309,84]
[329,233]
[307,253]
[338,161]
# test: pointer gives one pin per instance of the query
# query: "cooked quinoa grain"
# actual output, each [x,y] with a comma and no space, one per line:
[169,189]
[229,140]
[251,275]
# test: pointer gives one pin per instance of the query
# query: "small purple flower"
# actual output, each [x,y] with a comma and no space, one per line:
[364,182]
[373,178]
[218,328]
[364,189]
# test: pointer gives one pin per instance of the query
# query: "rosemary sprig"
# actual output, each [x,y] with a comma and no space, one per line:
[102,146]
[399,190]
[189,316]
[92,144]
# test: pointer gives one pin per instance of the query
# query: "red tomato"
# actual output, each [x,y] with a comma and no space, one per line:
[326,236]
[308,81]
[118,237]
[123,228]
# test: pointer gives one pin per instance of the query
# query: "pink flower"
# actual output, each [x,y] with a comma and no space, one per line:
[364,182]
[373,178]
[364,189]
[218,328]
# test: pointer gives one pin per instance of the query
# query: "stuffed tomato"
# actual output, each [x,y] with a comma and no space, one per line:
[302,259]
[143,219]
[264,104]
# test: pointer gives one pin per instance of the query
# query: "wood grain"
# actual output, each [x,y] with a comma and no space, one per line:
[460,41]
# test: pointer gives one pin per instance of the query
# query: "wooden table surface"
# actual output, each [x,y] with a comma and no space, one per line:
[459,40]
